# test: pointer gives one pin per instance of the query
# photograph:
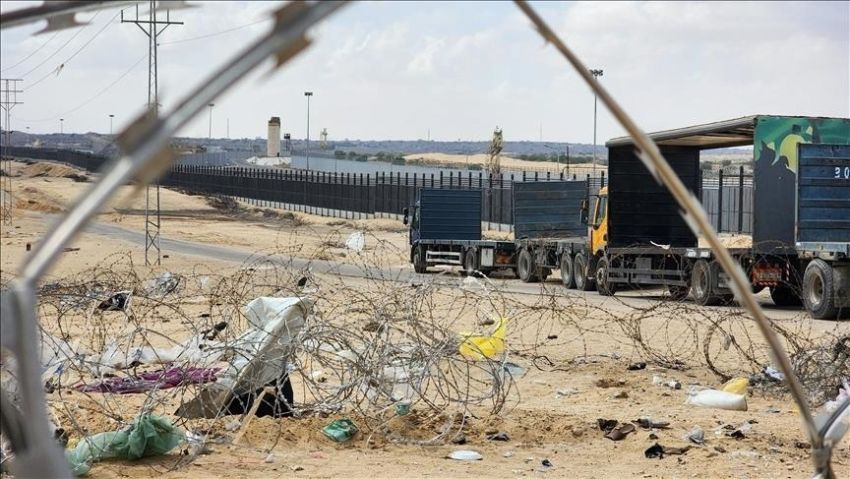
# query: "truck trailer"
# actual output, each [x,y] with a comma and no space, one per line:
[801,225]
[445,229]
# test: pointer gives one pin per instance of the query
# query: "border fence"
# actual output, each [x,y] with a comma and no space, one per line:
[728,198]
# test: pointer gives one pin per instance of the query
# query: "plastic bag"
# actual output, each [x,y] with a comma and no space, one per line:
[719,399]
[149,435]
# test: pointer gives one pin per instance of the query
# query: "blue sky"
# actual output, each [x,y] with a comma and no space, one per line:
[396,70]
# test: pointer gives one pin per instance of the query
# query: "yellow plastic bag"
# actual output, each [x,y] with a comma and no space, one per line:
[478,346]
[736,386]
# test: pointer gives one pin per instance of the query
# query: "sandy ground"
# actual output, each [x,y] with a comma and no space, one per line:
[507,163]
[541,423]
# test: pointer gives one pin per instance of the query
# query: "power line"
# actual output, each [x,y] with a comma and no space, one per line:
[80,30]
[61,66]
[33,53]
[93,98]
[222,32]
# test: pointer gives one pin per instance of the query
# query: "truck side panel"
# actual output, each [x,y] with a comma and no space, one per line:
[450,214]
[548,209]
[640,210]
[775,174]
[823,203]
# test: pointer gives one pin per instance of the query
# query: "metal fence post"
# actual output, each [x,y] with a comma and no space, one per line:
[720,201]
[741,199]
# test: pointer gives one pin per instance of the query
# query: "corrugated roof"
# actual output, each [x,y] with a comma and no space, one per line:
[721,134]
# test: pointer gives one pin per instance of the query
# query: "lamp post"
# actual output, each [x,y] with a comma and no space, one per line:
[209,133]
[61,125]
[596,74]
[308,94]
[111,116]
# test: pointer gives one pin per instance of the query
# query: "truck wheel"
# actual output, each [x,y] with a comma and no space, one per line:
[580,273]
[525,267]
[702,281]
[818,285]
[470,260]
[785,295]
[419,263]
[603,286]
[567,276]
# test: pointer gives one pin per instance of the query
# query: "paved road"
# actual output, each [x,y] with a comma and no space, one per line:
[236,255]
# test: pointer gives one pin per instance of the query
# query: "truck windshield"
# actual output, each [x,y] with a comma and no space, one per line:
[600,211]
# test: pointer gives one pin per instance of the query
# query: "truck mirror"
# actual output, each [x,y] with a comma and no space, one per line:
[583,212]
[404,220]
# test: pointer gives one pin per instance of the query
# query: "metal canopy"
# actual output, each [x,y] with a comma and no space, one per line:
[721,134]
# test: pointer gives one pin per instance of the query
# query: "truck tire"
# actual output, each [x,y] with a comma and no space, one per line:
[603,287]
[419,263]
[818,287]
[703,279]
[525,267]
[470,262]
[785,295]
[567,277]
[583,283]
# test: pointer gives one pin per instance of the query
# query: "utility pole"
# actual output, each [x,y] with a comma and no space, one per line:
[8,101]
[61,126]
[308,94]
[596,74]
[228,128]
[111,116]
[151,28]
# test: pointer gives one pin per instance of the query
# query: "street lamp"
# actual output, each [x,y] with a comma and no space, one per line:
[209,134]
[61,125]
[111,116]
[308,94]
[596,74]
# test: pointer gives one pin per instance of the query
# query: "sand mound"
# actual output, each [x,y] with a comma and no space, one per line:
[47,169]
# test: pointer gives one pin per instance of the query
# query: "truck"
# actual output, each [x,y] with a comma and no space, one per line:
[638,236]
[445,229]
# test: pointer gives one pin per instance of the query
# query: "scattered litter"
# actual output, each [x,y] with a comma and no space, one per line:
[471,283]
[70,250]
[736,386]
[620,433]
[119,301]
[673,384]
[356,241]
[162,379]
[515,370]
[465,455]
[508,454]
[501,436]
[402,408]
[621,395]
[460,439]
[649,423]
[652,436]
[340,430]
[773,410]
[696,435]
[478,347]
[257,363]
[546,463]
[269,458]
[552,336]
[676,451]
[736,432]
[636,366]
[843,395]
[718,399]
[607,425]
[162,285]
[773,374]
[296,468]
[149,435]
[662,246]
[656,450]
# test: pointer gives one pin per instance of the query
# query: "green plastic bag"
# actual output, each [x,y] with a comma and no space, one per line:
[149,435]
[340,430]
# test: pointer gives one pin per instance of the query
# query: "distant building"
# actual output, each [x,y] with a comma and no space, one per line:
[273,141]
